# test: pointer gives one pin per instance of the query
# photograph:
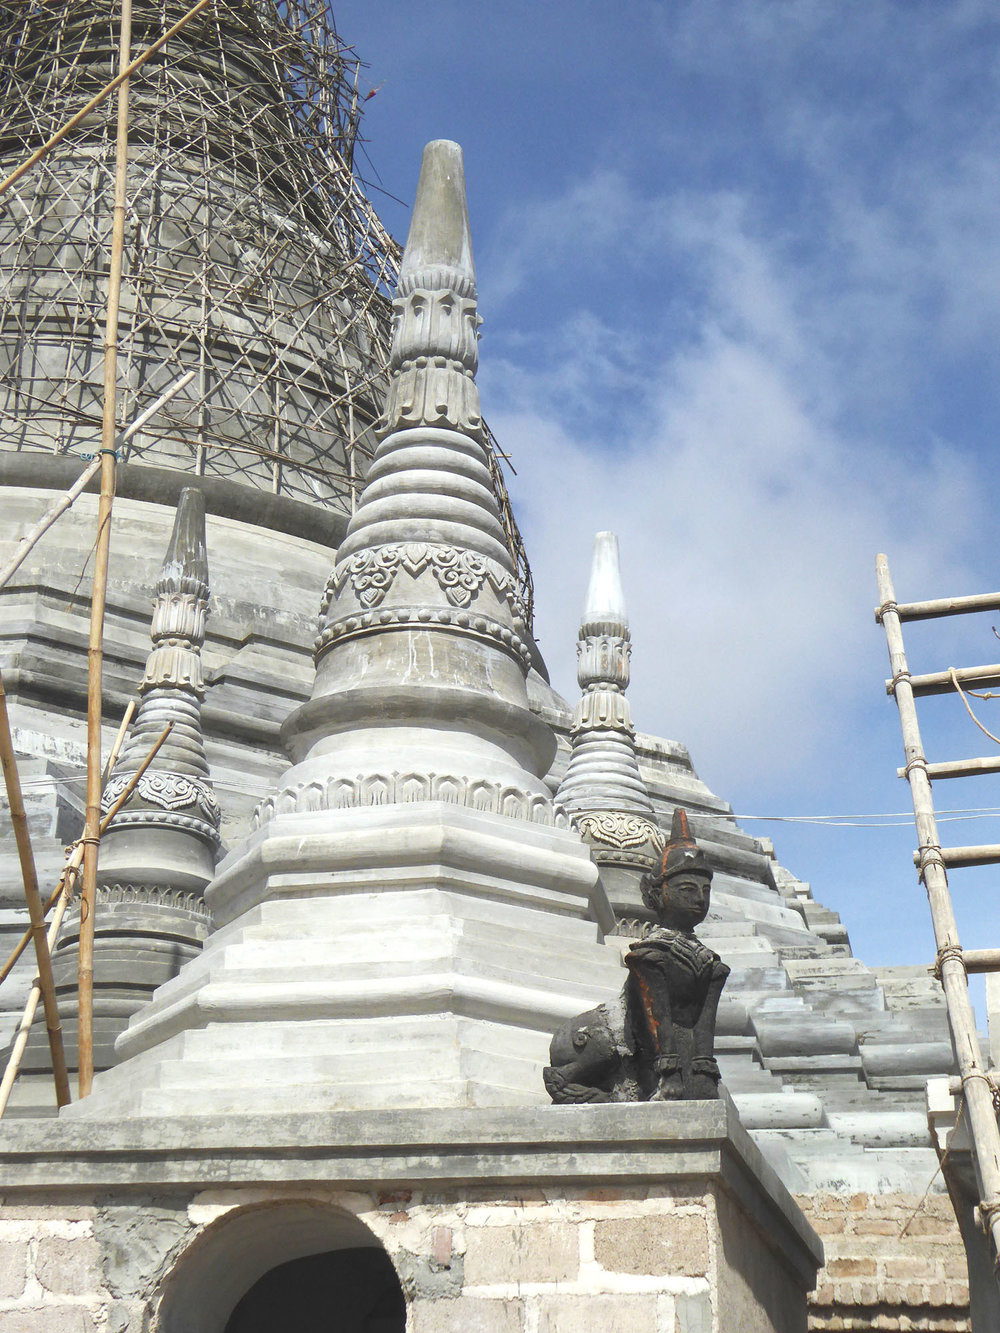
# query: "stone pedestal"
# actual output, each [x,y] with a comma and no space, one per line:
[650,1218]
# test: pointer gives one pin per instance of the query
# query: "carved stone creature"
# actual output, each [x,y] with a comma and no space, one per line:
[655,1043]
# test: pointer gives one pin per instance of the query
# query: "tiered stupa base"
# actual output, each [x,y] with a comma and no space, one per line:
[391,956]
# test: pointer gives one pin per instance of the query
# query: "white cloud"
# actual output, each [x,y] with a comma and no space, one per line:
[748,536]
[749,514]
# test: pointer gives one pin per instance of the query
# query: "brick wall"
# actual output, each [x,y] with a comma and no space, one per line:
[603,1259]
[49,1269]
[645,1260]
[877,1278]
[642,1259]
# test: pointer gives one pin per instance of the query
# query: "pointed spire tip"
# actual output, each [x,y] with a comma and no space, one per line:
[439,234]
[605,596]
[186,560]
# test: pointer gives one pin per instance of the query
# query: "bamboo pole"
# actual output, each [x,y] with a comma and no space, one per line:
[92,815]
[116,83]
[31,539]
[28,1017]
[946,606]
[27,542]
[71,867]
[22,837]
[119,741]
[959,768]
[976,1084]
[943,682]
[960,858]
[982,960]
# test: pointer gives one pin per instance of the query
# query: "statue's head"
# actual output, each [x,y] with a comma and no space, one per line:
[680,890]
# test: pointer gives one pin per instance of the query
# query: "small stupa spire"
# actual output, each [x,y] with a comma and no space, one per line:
[174,797]
[159,851]
[602,788]
[603,773]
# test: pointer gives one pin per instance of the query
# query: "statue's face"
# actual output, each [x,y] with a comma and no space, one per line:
[685,899]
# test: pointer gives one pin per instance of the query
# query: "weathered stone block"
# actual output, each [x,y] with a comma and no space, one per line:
[45,1212]
[676,1244]
[597,1314]
[50,1318]
[536,1252]
[471,1314]
[693,1314]
[69,1267]
[13,1267]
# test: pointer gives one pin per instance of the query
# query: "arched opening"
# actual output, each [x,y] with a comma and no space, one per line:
[299,1265]
[354,1291]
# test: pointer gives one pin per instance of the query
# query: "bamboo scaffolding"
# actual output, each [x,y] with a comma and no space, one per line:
[28,1017]
[118,82]
[294,339]
[22,837]
[72,865]
[63,895]
[976,1085]
[31,539]
[95,646]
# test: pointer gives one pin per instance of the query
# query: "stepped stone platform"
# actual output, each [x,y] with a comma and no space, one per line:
[825,1057]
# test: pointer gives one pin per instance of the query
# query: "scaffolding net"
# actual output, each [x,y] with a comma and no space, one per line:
[253,256]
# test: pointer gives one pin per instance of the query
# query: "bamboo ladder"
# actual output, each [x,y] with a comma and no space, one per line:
[953,963]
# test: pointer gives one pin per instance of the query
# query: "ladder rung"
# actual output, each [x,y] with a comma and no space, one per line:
[981,960]
[987,854]
[939,682]
[946,606]
[959,768]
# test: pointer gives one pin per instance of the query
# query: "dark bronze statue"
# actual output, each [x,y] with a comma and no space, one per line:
[656,1041]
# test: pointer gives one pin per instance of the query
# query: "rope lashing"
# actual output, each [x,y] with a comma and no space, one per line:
[930,855]
[903,674]
[945,954]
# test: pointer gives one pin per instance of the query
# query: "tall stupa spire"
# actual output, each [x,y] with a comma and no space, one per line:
[420,666]
[602,788]
[410,880]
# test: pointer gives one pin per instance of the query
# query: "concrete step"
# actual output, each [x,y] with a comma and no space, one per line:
[784,1109]
[390,1067]
[432,1094]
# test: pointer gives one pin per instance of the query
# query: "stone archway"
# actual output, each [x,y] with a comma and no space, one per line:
[284,1264]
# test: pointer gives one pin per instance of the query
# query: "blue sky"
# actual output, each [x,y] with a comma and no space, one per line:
[740,277]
